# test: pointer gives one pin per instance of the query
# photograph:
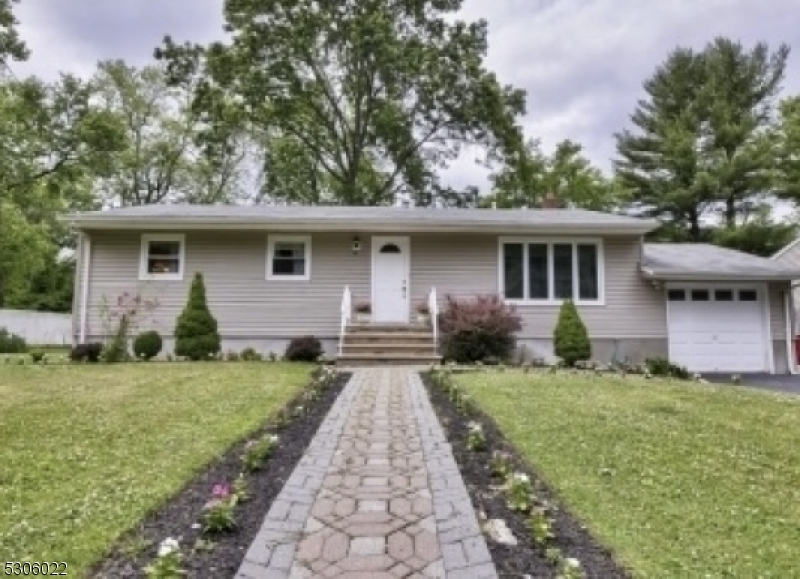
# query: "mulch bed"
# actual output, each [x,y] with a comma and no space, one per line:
[181,513]
[525,559]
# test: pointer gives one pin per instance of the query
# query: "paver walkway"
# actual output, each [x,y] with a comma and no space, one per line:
[377,494]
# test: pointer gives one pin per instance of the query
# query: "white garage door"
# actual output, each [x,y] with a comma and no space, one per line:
[717,329]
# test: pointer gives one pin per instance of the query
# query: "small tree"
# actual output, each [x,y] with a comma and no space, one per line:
[570,336]
[196,335]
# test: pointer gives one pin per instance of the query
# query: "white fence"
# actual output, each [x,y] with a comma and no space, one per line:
[40,328]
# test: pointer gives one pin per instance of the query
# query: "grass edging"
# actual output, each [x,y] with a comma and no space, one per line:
[571,538]
[207,556]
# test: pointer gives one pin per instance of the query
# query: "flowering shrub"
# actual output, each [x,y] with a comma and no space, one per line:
[478,329]
[519,492]
[257,451]
[476,439]
[168,563]
[218,513]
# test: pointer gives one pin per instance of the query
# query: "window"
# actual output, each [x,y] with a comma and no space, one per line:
[676,295]
[289,257]
[162,257]
[725,295]
[700,295]
[748,295]
[539,271]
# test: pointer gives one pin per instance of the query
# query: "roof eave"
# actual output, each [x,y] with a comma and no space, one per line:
[706,276]
[162,223]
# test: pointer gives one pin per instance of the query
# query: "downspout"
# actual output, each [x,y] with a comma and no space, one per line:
[87,258]
[788,299]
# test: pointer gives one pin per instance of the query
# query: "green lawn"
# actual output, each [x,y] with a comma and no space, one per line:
[86,451]
[679,479]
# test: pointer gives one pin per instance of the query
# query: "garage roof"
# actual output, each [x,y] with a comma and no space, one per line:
[706,262]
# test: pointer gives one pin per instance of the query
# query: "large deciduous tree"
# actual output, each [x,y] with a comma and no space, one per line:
[161,159]
[11,45]
[52,141]
[527,177]
[702,134]
[354,100]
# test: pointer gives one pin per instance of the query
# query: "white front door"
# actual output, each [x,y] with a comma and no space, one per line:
[717,328]
[390,272]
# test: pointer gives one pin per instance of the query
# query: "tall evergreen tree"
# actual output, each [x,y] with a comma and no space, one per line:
[702,143]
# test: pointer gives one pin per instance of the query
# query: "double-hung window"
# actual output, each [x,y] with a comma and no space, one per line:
[289,257]
[551,271]
[162,257]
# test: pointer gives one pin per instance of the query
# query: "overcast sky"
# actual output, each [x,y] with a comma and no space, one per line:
[582,62]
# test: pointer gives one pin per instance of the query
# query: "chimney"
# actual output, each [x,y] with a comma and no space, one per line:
[551,201]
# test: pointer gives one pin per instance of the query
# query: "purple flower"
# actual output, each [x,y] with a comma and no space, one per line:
[221,491]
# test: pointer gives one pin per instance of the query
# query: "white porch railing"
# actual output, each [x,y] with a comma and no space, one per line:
[433,309]
[347,312]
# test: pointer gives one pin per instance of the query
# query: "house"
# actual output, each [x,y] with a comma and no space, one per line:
[273,273]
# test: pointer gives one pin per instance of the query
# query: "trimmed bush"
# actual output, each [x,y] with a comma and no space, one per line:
[478,330]
[147,345]
[570,337]
[196,335]
[86,352]
[663,367]
[12,343]
[250,355]
[304,349]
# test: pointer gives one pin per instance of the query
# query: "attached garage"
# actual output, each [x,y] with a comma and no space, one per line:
[726,311]
[716,328]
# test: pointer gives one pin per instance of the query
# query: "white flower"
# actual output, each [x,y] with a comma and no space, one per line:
[572,562]
[474,426]
[168,546]
[521,477]
[273,438]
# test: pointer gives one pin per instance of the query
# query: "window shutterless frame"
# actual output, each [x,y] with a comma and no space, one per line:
[275,240]
[145,256]
[550,242]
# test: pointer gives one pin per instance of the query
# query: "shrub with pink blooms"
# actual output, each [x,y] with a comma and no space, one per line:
[478,329]
[218,513]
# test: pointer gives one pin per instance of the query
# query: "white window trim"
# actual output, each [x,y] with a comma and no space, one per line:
[272,240]
[144,255]
[550,241]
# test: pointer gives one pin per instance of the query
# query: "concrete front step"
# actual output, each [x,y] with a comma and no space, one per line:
[426,348]
[388,328]
[384,338]
[389,359]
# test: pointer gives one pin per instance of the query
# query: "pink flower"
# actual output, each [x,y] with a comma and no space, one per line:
[221,491]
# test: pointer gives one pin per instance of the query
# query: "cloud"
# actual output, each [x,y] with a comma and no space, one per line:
[74,35]
[582,62]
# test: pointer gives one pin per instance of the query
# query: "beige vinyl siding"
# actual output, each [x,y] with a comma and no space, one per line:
[234,267]
[777,316]
[465,265]
[247,305]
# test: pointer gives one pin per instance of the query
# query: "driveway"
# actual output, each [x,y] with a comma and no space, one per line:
[776,382]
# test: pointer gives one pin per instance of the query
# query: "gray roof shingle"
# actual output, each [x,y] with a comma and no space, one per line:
[364,218]
[703,261]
